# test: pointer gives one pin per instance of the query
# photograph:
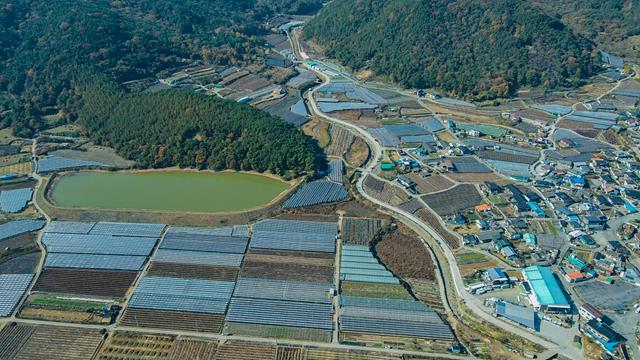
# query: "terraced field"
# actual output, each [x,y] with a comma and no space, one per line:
[341,140]
[432,220]
[405,255]
[85,282]
[174,320]
[45,342]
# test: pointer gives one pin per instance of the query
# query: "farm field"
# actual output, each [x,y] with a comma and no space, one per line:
[341,140]
[47,306]
[99,154]
[430,184]
[455,199]
[357,231]
[293,267]
[240,350]
[192,271]
[135,346]
[405,255]
[358,153]
[433,221]
[470,263]
[375,290]
[474,177]
[45,342]
[174,320]
[85,282]
[281,332]
[166,190]
[327,354]
[408,343]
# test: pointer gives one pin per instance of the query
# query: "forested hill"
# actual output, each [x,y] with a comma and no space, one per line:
[181,128]
[613,24]
[474,49]
[44,42]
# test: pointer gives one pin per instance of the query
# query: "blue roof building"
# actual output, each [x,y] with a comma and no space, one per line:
[546,292]
[606,337]
[536,209]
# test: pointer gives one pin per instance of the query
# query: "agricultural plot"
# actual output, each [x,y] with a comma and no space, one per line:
[453,200]
[135,346]
[85,282]
[17,227]
[341,140]
[357,263]
[287,268]
[12,288]
[173,320]
[384,191]
[316,192]
[242,350]
[192,349]
[434,222]
[411,206]
[360,231]
[174,294]
[45,342]
[90,261]
[404,254]
[391,317]
[294,235]
[430,184]
[328,354]
[190,271]
[14,201]
[127,229]
[374,290]
[384,137]
[278,332]
[206,243]
[57,163]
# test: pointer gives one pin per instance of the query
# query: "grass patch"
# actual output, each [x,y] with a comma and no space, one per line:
[470,258]
[278,332]
[389,291]
[497,200]
[549,228]
[392,121]
[53,301]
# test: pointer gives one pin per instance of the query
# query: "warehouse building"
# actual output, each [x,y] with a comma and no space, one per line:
[545,292]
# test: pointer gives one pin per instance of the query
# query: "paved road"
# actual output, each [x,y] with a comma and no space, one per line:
[471,302]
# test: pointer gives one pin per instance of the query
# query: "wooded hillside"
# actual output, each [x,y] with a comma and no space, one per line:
[475,49]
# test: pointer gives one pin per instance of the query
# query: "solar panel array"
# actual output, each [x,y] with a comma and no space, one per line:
[190,295]
[128,229]
[69,227]
[98,244]
[384,136]
[280,313]
[335,170]
[13,201]
[17,227]
[102,245]
[357,263]
[203,246]
[391,317]
[92,261]
[207,243]
[316,192]
[295,235]
[58,163]
[12,287]
[302,291]
[198,257]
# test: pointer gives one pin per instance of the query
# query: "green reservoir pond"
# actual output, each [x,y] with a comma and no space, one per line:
[166,190]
